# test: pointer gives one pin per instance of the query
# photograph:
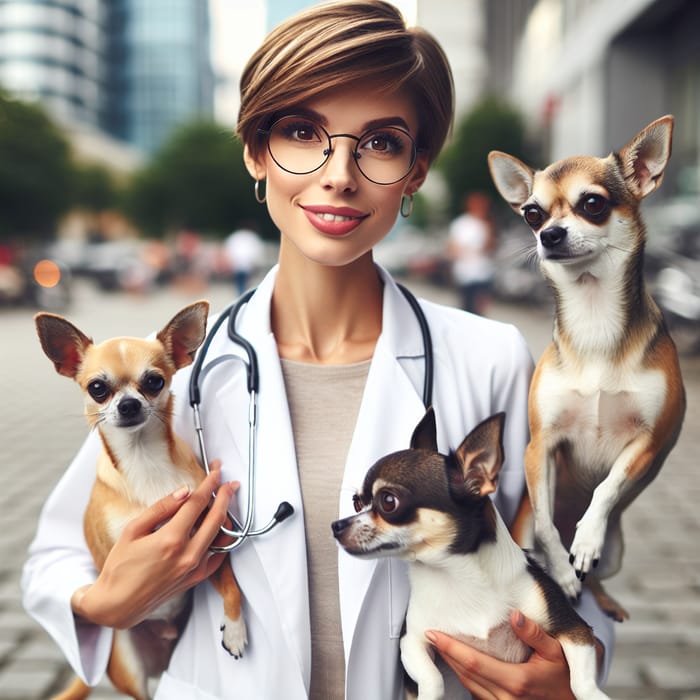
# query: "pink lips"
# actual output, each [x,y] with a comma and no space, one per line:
[334,221]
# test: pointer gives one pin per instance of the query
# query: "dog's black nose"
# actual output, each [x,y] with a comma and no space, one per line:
[129,408]
[339,525]
[552,236]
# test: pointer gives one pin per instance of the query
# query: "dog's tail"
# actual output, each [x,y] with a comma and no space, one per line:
[77,690]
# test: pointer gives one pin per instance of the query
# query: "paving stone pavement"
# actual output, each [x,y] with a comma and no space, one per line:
[658,649]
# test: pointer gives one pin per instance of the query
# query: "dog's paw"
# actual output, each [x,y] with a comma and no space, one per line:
[234,636]
[560,570]
[587,547]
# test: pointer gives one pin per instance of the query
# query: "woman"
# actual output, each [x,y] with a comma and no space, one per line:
[342,111]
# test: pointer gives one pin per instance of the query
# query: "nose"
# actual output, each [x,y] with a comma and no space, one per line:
[552,236]
[129,408]
[339,526]
[340,171]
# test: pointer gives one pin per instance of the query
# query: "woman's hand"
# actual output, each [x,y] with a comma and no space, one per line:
[545,675]
[150,564]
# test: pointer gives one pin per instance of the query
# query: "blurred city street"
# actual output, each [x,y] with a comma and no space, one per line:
[658,649]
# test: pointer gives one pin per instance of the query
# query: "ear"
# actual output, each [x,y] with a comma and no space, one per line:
[185,333]
[425,435]
[62,342]
[645,157]
[254,165]
[418,174]
[513,179]
[480,457]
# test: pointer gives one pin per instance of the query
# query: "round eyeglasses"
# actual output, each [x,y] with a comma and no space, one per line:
[300,145]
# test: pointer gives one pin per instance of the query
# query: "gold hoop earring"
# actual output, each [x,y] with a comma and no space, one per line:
[258,198]
[406,211]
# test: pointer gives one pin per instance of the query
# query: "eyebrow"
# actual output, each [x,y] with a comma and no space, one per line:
[372,124]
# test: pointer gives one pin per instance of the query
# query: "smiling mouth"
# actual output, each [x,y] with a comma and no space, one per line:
[335,218]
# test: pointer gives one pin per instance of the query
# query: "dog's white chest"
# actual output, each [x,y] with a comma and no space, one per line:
[598,409]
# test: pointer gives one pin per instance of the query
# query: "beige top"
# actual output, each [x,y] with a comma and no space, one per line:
[324,401]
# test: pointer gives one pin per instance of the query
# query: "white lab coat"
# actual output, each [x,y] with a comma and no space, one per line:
[481,367]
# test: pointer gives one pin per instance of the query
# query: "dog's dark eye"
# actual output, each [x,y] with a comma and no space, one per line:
[99,390]
[387,501]
[594,206]
[533,215]
[153,383]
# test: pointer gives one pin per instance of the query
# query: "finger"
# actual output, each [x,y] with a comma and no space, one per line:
[208,529]
[158,513]
[535,637]
[480,673]
[198,501]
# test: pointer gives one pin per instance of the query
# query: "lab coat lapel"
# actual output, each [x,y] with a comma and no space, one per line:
[280,555]
[391,408]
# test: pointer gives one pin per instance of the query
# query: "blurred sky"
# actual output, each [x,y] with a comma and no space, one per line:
[237,28]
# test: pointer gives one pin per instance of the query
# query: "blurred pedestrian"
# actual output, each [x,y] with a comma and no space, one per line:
[244,253]
[471,246]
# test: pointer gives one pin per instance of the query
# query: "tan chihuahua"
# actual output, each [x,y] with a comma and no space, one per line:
[127,399]
[607,400]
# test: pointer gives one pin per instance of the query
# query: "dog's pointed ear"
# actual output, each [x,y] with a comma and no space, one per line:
[513,179]
[645,157]
[62,342]
[425,435]
[185,332]
[480,457]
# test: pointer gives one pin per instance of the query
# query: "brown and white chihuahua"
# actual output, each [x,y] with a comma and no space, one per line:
[607,400]
[127,399]
[467,574]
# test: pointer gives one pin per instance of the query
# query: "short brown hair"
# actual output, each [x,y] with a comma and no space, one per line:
[343,43]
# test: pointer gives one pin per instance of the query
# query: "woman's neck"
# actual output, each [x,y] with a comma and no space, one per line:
[326,315]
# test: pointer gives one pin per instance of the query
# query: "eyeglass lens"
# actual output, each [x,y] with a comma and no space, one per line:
[300,146]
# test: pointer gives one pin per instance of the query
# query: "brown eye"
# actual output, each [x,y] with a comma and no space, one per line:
[594,205]
[99,390]
[533,216]
[153,383]
[387,502]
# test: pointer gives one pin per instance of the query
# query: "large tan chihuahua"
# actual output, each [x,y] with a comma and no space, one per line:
[607,400]
[127,399]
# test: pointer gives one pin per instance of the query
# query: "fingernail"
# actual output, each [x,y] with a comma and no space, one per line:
[431,637]
[519,620]
[182,493]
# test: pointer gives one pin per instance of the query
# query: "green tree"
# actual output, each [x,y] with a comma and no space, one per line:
[491,125]
[196,181]
[94,187]
[36,185]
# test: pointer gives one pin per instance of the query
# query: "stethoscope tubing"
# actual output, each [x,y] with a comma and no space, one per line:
[199,371]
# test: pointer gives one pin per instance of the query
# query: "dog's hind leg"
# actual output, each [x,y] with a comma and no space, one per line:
[234,634]
[582,661]
[126,668]
[605,601]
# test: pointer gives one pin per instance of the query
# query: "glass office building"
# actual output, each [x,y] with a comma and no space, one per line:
[132,68]
[51,52]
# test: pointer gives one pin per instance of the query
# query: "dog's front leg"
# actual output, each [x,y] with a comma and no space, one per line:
[233,628]
[418,659]
[540,471]
[629,467]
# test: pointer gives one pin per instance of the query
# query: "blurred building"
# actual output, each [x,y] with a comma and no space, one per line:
[590,73]
[127,68]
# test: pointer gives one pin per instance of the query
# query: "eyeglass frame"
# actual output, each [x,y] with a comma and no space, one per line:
[329,151]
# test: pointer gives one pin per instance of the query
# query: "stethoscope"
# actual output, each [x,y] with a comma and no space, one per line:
[199,371]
